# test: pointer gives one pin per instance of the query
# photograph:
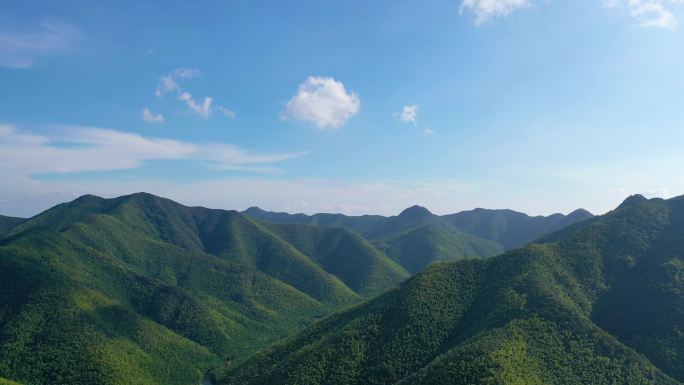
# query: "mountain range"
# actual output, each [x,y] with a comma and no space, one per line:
[599,302]
[417,238]
[142,290]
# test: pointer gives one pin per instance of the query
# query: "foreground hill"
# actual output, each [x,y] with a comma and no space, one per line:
[142,290]
[597,303]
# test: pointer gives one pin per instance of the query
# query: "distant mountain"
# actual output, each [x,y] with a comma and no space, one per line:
[416,237]
[7,223]
[599,302]
[361,224]
[510,228]
[140,289]
[419,247]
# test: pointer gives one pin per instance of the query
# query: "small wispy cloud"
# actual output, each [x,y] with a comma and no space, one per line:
[171,83]
[227,112]
[658,193]
[651,193]
[202,109]
[485,10]
[408,114]
[650,13]
[322,101]
[149,117]
[21,48]
[78,149]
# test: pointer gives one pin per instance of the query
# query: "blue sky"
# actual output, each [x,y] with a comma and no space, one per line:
[343,106]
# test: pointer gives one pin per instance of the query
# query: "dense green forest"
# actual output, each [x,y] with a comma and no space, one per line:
[7,223]
[599,302]
[417,238]
[142,290]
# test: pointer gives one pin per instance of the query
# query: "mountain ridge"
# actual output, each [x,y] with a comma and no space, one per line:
[140,289]
[604,294]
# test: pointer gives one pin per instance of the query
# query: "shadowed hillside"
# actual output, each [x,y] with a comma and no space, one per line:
[7,223]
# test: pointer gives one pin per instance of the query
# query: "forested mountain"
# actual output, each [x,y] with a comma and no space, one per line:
[6,223]
[142,290]
[361,224]
[416,237]
[599,302]
[508,228]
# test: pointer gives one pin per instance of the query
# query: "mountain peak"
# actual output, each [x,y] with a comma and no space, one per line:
[632,200]
[416,212]
[254,210]
[580,213]
[88,198]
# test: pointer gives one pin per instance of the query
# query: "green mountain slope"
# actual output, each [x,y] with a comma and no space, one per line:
[346,255]
[509,228]
[422,246]
[7,223]
[414,239]
[142,290]
[417,238]
[360,224]
[597,303]
[74,314]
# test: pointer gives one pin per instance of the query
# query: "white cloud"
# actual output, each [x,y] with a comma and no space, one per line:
[80,149]
[152,118]
[652,193]
[20,49]
[653,13]
[484,10]
[649,13]
[227,112]
[202,109]
[619,191]
[171,83]
[185,73]
[428,131]
[658,193]
[409,114]
[322,101]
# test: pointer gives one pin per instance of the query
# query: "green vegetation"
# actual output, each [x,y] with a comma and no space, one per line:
[7,223]
[597,303]
[417,238]
[346,255]
[419,247]
[8,382]
[510,228]
[142,290]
